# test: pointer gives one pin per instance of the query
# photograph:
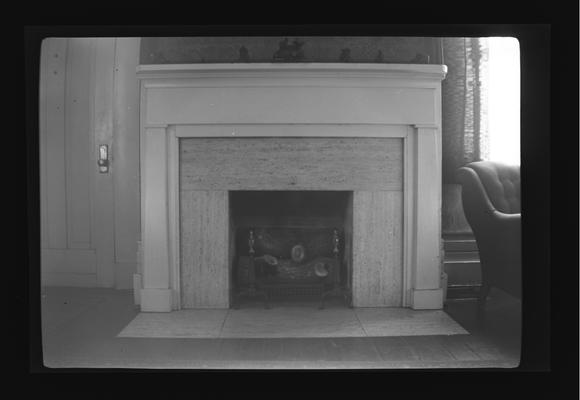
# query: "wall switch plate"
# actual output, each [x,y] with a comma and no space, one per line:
[103,161]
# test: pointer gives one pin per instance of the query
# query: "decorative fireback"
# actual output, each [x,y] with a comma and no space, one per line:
[279,242]
[287,254]
[283,261]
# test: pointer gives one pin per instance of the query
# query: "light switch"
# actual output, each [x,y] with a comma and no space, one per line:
[103,160]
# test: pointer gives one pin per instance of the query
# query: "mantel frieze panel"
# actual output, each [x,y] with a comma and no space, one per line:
[275,105]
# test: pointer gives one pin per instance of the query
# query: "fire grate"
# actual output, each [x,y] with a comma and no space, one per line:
[293,290]
[269,276]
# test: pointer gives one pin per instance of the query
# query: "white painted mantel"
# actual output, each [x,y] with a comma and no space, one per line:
[290,100]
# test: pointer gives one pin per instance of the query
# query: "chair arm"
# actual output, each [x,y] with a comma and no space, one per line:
[510,219]
[472,186]
[509,223]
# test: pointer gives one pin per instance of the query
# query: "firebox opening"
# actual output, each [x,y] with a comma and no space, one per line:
[301,245]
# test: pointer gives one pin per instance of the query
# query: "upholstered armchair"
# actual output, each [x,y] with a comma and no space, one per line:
[491,202]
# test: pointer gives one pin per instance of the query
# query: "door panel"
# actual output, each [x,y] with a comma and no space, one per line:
[78,104]
[54,74]
[103,229]
[77,143]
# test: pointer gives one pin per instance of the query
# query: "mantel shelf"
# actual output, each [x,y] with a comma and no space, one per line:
[428,71]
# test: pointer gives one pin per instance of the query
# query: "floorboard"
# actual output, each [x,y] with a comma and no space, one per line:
[80,328]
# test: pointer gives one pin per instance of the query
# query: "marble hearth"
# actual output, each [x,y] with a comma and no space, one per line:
[210,129]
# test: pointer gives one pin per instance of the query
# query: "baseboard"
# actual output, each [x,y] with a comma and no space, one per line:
[463,292]
[463,273]
[427,299]
[68,279]
[156,300]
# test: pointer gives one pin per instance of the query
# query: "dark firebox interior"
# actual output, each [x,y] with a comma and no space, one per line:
[281,220]
[318,205]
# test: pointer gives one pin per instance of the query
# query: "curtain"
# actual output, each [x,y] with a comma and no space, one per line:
[464,96]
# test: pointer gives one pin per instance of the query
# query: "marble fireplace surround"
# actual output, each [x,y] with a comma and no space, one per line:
[298,100]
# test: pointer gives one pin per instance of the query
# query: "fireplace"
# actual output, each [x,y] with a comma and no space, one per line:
[300,152]
[291,244]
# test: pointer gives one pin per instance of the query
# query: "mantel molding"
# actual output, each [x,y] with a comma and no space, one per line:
[318,70]
[291,93]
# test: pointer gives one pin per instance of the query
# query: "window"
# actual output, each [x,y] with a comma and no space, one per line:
[504,100]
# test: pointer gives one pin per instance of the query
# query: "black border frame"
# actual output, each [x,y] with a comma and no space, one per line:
[550,316]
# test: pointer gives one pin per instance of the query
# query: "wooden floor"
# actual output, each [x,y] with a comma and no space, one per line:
[80,328]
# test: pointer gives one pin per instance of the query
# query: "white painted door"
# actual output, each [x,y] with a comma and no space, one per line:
[78,100]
